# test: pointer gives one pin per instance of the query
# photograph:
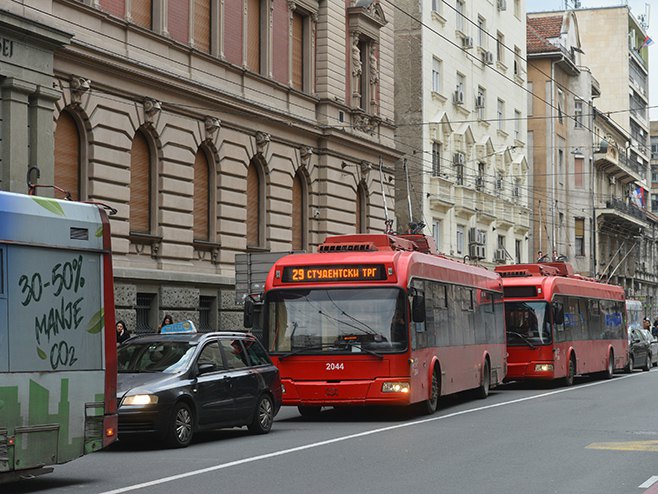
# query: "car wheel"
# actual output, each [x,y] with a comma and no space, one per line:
[430,405]
[647,363]
[181,426]
[309,412]
[483,391]
[571,372]
[631,364]
[263,416]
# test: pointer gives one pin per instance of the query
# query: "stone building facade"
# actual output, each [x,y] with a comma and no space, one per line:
[212,128]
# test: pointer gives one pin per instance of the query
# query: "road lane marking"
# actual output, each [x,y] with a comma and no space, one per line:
[304,447]
[648,483]
[651,446]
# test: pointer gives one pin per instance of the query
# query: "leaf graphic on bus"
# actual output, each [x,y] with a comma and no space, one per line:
[99,232]
[42,354]
[49,204]
[97,322]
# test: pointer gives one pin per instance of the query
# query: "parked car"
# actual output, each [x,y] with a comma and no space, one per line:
[653,346]
[639,350]
[179,382]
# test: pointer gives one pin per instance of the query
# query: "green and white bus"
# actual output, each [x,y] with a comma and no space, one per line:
[57,335]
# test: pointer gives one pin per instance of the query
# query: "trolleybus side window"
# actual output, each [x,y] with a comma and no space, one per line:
[4,323]
[2,272]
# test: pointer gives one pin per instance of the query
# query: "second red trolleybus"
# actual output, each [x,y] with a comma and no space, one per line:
[560,324]
[381,319]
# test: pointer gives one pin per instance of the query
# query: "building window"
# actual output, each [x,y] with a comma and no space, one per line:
[517,251]
[500,47]
[560,105]
[482,32]
[436,234]
[436,159]
[436,5]
[255,199]
[361,209]
[141,185]
[141,13]
[206,320]
[578,164]
[201,199]
[500,114]
[578,113]
[580,236]
[67,156]
[144,312]
[500,182]
[299,212]
[436,75]
[518,62]
[654,174]
[202,25]
[461,14]
[460,240]
[298,51]
[479,180]
[517,125]
[481,103]
[254,35]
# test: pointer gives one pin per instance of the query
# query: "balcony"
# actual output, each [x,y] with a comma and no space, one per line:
[609,160]
[440,194]
[621,216]
[485,205]
[464,201]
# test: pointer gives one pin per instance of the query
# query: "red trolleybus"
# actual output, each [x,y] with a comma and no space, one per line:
[381,320]
[560,324]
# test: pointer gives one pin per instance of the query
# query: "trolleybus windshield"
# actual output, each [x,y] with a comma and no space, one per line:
[337,320]
[527,324]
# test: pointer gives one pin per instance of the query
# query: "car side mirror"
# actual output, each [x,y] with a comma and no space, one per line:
[205,368]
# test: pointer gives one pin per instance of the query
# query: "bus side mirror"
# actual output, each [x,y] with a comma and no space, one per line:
[418,308]
[248,315]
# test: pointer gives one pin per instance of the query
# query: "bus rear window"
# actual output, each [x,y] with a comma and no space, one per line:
[519,291]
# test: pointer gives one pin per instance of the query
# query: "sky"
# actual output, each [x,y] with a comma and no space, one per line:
[637,8]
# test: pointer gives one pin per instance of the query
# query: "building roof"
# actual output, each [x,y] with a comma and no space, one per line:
[539,30]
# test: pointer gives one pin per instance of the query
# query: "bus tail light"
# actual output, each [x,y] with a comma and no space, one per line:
[543,367]
[395,387]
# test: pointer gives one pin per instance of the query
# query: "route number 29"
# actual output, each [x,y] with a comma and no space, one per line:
[332,366]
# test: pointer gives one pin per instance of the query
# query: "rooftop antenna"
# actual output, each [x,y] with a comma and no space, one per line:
[388,222]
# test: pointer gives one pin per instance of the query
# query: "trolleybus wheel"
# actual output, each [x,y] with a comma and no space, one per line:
[571,372]
[483,391]
[430,405]
[309,412]
[610,369]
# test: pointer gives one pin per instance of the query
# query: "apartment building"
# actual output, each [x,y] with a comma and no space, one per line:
[460,104]
[212,128]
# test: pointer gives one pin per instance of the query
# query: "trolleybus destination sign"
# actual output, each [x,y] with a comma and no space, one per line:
[354,272]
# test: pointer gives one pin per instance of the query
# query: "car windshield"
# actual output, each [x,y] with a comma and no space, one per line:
[162,356]
[337,320]
[527,324]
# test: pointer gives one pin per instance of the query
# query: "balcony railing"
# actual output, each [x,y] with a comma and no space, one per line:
[628,209]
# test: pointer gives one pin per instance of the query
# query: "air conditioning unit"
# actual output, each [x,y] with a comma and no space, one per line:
[467,42]
[458,96]
[500,255]
[502,5]
[459,159]
[475,251]
[488,58]
[479,101]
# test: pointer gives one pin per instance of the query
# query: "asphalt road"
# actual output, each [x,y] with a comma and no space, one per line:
[595,437]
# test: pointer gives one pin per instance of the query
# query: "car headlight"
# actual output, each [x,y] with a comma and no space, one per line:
[544,368]
[140,400]
[395,387]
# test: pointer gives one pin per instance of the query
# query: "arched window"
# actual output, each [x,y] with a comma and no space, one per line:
[201,197]
[67,155]
[254,206]
[299,212]
[361,209]
[140,185]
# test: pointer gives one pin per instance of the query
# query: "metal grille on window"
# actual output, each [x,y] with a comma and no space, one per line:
[143,311]
[205,307]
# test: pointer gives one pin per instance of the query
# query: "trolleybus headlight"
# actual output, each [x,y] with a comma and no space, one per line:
[140,400]
[544,368]
[395,387]
[283,388]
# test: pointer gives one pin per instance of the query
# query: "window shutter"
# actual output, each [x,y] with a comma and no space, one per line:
[253,206]
[297,51]
[140,185]
[580,227]
[67,156]
[297,214]
[201,197]
[253,35]
[202,25]
[142,13]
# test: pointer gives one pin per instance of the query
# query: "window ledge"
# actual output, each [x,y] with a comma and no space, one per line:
[439,97]
[438,17]
[205,245]
[144,238]
[501,66]
[502,133]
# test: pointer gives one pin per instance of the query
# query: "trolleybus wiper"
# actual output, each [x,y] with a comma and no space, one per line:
[306,348]
[366,350]
[526,340]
